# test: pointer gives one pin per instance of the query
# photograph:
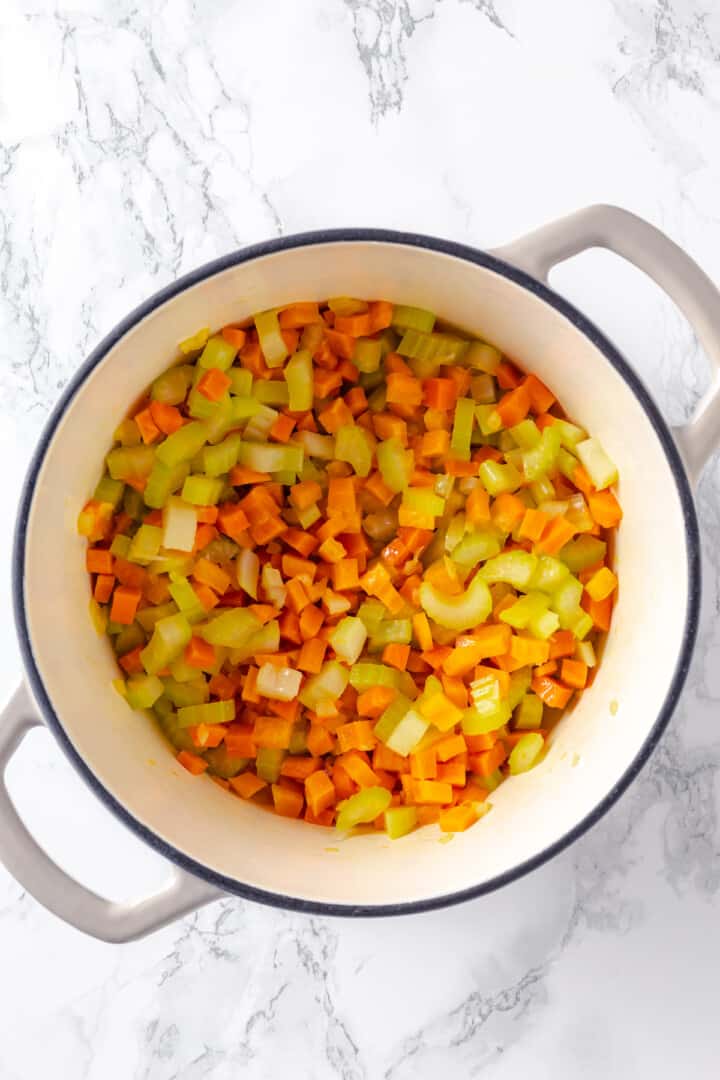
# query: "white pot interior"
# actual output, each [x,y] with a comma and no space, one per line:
[593,746]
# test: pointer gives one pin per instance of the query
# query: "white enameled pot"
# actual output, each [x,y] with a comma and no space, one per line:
[222,845]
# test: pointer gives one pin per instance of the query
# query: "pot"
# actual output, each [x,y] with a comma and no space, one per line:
[218,845]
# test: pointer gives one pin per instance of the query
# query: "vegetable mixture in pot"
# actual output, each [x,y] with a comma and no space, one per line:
[355,564]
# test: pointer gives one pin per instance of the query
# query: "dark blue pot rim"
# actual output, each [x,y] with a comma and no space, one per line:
[586,327]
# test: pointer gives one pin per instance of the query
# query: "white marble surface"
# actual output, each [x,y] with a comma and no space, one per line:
[138,140]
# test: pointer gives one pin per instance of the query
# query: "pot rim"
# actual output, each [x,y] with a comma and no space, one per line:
[581,323]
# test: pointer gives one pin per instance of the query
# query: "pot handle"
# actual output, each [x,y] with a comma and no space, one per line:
[53,888]
[663,261]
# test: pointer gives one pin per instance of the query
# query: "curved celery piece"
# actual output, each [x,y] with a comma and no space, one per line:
[187,600]
[330,682]
[483,357]
[142,691]
[542,489]
[497,478]
[455,531]
[351,445]
[463,612]
[475,547]
[130,462]
[585,651]
[221,421]
[181,671]
[515,568]
[526,434]
[526,753]
[541,459]
[368,354]
[491,782]
[488,419]
[299,380]
[148,616]
[264,640]
[365,675]
[218,353]
[271,392]
[183,444]
[109,491]
[220,459]
[169,638]
[145,544]
[528,714]
[348,638]
[463,421]
[525,609]
[599,467]
[400,820]
[482,389]
[270,337]
[519,685]
[506,443]
[405,318]
[224,764]
[163,481]
[268,763]
[232,628]
[171,387]
[549,575]
[202,490]
[186,693]
[267,457]
[248,570]
[214,712]
[241,382]
[362,808]
[395,464]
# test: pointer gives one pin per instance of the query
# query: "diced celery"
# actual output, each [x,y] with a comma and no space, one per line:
[487,715]
[391,632]
[128,638]
[400,820]
[271,340]
[483,357]
[378,399]
[248,570]
[365,675]
[130,462]
[351,445]
[488,419]
[271,392]
[218,353]
[258,427]
[183,444]
[578,513]
[220,459]
[580,623]
[570,434]
[549,575]
[405,317]
[368,354]
[401,726]
[232,628]
[516,568]
[202,408]
[455,531]
[566,463]
[541,458]
[147,617]
[222,420]
[427,352]
[525,609]
[309,515]
[529,713]
[171,387]
[224,764]
[179,525]
[170,636]
[299,379]
[542,489]
[109,491]
[585,651]
[273,586]
[187,600]
[278,683]
[329,683]
[244,407]
[348,638]
[145,544]
[395,464]
[215,712]
[497,478]
[526,753]
[120,545]
[267,457]
[519,685]
[544,625]
[491,782]
[507,444]
[317,446]
[268,763]
[362,808]
[298,738]
[372,613]
[181,671]
[462,428]
[347,305]
[475,547]
[202,490]
[482,389]
[187,693]
[599,467]
[142,691]
[462,612]
[264,640]
[526,434]
[163,481]
[583,552]
[566,601]
[98,616]
[127,433]
[241,381]
[423,501]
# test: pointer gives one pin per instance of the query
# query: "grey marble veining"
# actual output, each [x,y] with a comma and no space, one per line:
[139,141]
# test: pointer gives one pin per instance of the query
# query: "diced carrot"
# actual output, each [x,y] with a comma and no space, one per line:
[167,418]
[514,406]
[204,535]
[213,384]
[507,375]
[206,596]
[574,673]
[458,818]
[528,650]
[312,655]
[600,611]
[299,768]
[232,520]
[145,421]
[532,525]
[207,573]
[192,762]
[104,585]
[319,792]
[555,536]
[240,475]
[485,763]
[247,784]
[357,735]
[99,561]
[207,736]
[604,508]
[541,399]
[548,668]
[358,769]
[476,744]
[387,426]
[282,428]
[562,643]
[130,661]
[551,692]
[298,315]
[305,494]
[433,792]
[477,505]
[200,654]
[507,511]
[124,604]
[345,574]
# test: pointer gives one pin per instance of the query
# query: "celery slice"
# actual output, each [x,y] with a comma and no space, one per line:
[549,574]
[401,726]
[299,379]
[187,600]
[188,693]
[224,764]
[475,547]
[271,392]
[268,763]
[171,387]
[526,434]
[347,305]
[218,353]
[405,318]
[278,683]
[601,470]
[220,459]
[109,491]
[485,716]
[241,381]
[423,501]
[462,428]
[245,407]
[428,352]
[400,820]
[483,357]
[362,808]
[525,609]
[170,636]
[488,419]
[391,632]
[516,568]
[351,445]
[348,638]
[395,464]
[130,462]
[258,428]
[526,753]
[519,685]
[329,683]
[232,628]
[163,481]
[497,478]
[215,712]
[482,388]
[372,613]
[540,459]
[183,444]
[202,490]
[248,571]
[368,354]
[317,446]
[142,691]
[463,612]
[271,340]
[179,525]
[529,713]
[145,544]
[147,617]
[267,457]
[120,545]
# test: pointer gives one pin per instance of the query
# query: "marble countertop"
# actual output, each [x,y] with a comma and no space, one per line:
[137,141]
